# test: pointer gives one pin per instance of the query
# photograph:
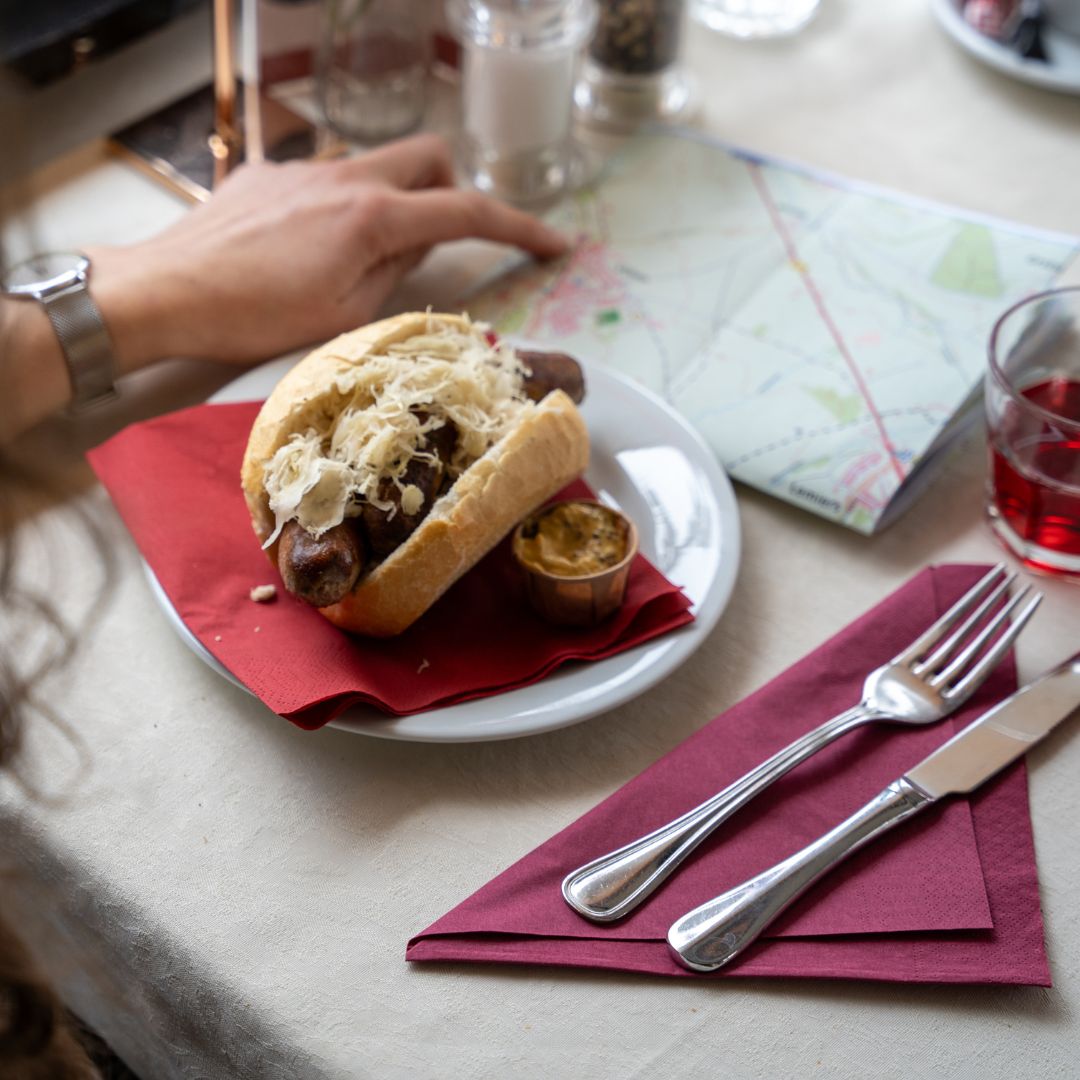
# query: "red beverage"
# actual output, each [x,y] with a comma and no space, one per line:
[1035,476]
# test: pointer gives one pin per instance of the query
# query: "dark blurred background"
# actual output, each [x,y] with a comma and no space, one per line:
[76,71]
[44,40]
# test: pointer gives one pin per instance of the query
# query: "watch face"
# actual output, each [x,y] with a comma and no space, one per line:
[43,273]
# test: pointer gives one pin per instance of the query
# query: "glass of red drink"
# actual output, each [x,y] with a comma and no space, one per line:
[1033,416]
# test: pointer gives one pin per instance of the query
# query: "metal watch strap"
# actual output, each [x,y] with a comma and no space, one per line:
[86,344]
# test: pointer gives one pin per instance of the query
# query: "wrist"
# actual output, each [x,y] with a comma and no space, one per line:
[131,291]
[137,304]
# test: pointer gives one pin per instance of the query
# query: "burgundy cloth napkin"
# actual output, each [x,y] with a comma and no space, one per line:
[951,896]
[176,483]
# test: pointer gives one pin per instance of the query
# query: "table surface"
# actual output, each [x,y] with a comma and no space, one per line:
[223,895]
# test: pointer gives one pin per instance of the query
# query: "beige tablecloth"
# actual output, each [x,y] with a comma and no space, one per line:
[222,895]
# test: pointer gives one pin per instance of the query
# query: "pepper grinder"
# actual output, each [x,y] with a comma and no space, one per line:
[520,60]
[634,73]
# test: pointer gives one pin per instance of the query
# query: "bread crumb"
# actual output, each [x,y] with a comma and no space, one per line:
[257,629]
[217,637]
[263,594]
[423,664]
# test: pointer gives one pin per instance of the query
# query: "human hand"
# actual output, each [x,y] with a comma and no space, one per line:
[285,255]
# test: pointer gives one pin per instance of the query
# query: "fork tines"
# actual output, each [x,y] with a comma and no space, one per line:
[974,634]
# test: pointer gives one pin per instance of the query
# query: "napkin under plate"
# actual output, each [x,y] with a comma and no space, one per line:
[176,482]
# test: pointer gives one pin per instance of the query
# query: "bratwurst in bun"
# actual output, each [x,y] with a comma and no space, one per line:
[389,461]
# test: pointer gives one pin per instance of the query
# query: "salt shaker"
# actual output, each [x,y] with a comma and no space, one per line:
[634,74]
[520,62]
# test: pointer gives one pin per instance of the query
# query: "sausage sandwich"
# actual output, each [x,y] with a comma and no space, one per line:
[389,461]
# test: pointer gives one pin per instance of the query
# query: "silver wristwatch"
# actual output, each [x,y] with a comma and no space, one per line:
[59,282]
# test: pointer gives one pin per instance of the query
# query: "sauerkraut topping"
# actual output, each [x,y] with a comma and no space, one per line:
[393,399]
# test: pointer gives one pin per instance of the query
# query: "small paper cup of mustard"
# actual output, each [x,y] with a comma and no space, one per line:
[576,557]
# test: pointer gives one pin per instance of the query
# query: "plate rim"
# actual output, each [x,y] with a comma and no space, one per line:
[997,56]
[643,666]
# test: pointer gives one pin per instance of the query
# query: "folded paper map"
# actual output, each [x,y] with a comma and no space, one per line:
[826,338]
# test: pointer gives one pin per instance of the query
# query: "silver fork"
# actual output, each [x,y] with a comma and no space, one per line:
[931,678]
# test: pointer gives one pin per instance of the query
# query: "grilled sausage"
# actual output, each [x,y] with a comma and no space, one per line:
[320,570]
[385,531]
[549,371]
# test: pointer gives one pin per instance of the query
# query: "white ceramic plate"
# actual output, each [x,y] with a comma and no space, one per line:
[647,462]
[1061,72]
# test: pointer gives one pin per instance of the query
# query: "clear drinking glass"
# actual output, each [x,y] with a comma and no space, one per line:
[373,66]
[1033,420]
[754,18]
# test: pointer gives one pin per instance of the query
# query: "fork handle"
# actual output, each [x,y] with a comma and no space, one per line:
[715,933]
[611,886]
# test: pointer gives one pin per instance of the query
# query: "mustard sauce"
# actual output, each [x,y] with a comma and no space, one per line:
[573,539]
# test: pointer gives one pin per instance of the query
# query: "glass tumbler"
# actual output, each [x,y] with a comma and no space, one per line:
[1033,421]
[754,18]
[372,69]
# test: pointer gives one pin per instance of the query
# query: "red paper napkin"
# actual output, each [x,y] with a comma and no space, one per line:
[176,483]
[951,896]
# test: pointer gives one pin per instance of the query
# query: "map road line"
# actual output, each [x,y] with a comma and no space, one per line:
[819,303]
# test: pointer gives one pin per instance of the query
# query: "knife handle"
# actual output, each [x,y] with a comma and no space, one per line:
[716,932]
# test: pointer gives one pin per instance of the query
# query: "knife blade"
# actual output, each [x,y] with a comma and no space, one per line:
[1000,735]
[713,934]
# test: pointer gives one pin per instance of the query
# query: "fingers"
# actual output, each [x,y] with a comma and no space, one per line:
[423,218]
[422,161]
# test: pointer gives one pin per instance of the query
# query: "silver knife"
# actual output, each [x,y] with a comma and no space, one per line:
[715,933]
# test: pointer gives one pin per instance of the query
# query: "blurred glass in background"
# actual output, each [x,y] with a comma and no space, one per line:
[373,66]
[754,18]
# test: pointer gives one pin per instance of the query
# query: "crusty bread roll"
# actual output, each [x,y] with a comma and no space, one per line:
[546,447]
